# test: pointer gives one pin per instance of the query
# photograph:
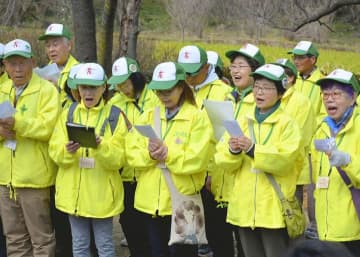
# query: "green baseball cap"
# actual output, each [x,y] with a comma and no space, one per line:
[248,50]
[342,76]
[91,74]
[305,48]
[70,81]
[18,47]
[121,70]
[56,30]
[2,47]
[166,75]
[192,58]
[286,63]
[270,71]
[214,59]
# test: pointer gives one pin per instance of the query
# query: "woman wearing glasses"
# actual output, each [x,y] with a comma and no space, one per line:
[269,145]
[183,146]
[336,166]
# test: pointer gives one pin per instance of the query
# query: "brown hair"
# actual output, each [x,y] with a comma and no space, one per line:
[187,94]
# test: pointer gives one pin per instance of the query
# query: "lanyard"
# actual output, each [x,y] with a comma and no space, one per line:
[244,93]
[168,127]
[252,133]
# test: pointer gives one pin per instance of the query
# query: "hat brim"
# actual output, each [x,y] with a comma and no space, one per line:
[259,59]
[265,74]
[354,85]
[286,67]
[89,82]
[19,53]
[298,52]
[162,85]
[45,36]
[118,79]
[71,84]
[191,67]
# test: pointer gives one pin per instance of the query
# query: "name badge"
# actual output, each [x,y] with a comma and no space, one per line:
[87,163]
[323,182]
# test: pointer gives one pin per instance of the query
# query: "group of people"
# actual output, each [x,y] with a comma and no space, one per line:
[59,198]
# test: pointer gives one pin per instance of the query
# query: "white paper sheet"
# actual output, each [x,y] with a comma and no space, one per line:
[233,128]
[10,143]
[146,131]
[6,110]
[218,112]
[48,72]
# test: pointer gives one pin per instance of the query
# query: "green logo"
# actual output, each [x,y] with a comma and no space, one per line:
[23,109]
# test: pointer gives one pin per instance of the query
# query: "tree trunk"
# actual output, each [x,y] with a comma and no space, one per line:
[106,35]
[84,30]
[129,27]
[134,12]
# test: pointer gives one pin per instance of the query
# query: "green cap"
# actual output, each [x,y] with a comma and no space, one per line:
[18,47]
[74,69]
[286,63]
[2,47]
[192,58]
[270,71]
[305,48]
[56,30]
[166,75]
[90,74]
[121,71]
[248,50]
[214,59]
[342,76]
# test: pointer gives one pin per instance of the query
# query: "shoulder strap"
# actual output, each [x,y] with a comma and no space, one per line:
[70,117]
[268,175]
[113,120]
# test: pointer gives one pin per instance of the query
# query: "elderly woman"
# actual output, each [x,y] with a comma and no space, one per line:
[269,146]
[336,156]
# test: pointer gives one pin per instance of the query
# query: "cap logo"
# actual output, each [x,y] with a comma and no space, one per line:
[160,74]
[115,68]
[186,55]
[132,67]
[50,28]
[15,44]
[88,71]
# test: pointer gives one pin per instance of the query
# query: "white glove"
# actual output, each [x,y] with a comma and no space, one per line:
[338,158]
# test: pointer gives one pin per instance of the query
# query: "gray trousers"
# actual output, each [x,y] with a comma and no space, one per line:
[262,242]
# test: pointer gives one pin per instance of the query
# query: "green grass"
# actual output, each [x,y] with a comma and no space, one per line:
[328,59]
[153,16]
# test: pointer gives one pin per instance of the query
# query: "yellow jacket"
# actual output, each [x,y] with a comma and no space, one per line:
[37,108]
[96,192]
[299,108]
[216,90]
[222,180]
[187,137]
[147,101]
[254,202]
[335,212]
[3,78]
[309,88]
[63,78]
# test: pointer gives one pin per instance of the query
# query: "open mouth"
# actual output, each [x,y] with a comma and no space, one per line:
[331,109]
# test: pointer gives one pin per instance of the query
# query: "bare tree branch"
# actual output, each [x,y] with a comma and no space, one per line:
[323,12]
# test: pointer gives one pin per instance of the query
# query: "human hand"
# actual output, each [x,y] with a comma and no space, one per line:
[338,158]
[72,147]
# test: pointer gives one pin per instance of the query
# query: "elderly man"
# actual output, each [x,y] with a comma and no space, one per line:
[27,172]
[58,46]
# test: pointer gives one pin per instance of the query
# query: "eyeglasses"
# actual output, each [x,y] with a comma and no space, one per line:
[265,90]
[238,67]
[334,94]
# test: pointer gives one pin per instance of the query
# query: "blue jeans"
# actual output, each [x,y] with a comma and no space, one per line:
[80,230]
